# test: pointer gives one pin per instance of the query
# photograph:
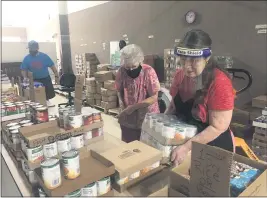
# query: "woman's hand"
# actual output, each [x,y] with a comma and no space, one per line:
[179,154]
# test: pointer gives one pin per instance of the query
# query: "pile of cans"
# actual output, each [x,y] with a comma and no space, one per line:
[38,113]
[11,108]
[94,189]
[69,119]
[169,127]
[121,181]
[242,175]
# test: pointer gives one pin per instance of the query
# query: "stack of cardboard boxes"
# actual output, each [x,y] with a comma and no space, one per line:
[86,63]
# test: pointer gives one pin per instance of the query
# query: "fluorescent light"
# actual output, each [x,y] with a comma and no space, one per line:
[151,36]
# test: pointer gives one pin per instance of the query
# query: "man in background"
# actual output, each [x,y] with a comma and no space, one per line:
[38,63]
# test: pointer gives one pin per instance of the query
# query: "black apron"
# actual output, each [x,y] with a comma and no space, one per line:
[49,89]
[184,109]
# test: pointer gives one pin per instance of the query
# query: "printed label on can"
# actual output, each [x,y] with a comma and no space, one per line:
[88,135]
[64,145]
[103,186]
[90,190]
[75,121]
[77,142]
[21,108]
[51,173]
[71,164]
[50,150]
[35,154]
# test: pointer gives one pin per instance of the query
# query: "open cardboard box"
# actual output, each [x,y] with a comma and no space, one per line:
[161,139]
[49,132]
[130,158]
[203,157]
[93,167]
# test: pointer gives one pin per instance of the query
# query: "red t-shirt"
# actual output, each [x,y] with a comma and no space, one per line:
[220,94]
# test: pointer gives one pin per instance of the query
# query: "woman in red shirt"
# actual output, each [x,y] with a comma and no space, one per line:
[202,94]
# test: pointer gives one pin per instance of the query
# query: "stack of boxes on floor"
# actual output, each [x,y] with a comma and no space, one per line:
[259,142]
[100,90]
[86,64]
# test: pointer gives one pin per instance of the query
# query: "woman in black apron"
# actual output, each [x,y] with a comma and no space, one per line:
[202,94]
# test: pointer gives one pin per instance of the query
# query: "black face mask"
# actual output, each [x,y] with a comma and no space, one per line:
[33,53]
[135,72]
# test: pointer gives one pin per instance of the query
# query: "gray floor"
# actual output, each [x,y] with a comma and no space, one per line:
[8,185]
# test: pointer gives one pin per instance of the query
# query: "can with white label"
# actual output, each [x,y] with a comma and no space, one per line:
[75,121]
[103,186]
[50,150]
[76,193]
[51,173]
[63,145]
[89,190]
[71,163]
[35,154]
[77,142]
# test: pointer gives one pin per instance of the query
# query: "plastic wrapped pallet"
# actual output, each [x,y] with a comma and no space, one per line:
[108,105]
[106,92]
[103,76]
[90,82]
[109,98]
[103,67]
[97,97]
[110,85]
[90,89]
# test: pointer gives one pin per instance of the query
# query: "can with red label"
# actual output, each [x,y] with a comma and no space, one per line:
[88,119]
[3,111]
[11,110]
[95,133]
[42,115]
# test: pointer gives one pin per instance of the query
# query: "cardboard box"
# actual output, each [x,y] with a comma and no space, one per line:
[139,154]
[90,82]
[97,96]
[161,139]
[203,157]
[103,67]
[93,161]
[49,132]
[108,105]
[106,92]
[110,85]
[90,89]
[102,76]
[110,98]
[260,101]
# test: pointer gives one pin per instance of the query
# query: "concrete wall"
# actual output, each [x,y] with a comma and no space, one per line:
[230,24]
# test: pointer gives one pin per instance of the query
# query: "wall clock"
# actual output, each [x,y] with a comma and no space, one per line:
[190,17]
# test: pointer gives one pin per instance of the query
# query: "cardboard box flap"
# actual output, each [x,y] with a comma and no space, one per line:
[132,157]
[39,127]
[210,171]
[100,158]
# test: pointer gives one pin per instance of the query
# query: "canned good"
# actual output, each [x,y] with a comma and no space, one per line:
[50,150]
[88,119]
[12,124]
[21,108]
[24,122]
[64,145]
[134,175]
[89,190]
[15,136]
[77,142]
[87,135]
[3,111]
[95,133]
[24,166]
[35,154]
[103,186]
[75,121]
[97,117]
[66,119]
[60,116]
[27,124]
[76,193]
[42,115]
[11,110]
[51,173]
[168,131]
[23,146]
[27,101]
[16,127]
[41,192]
[71,163]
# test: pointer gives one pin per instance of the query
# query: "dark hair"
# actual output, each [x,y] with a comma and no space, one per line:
[198,39]
[122,44]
